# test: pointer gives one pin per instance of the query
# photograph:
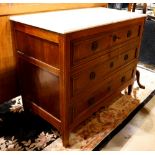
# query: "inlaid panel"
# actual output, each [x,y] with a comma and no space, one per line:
[40,87]
[37,48]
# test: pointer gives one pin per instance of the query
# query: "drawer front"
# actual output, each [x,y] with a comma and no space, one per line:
[109,86]
[85,103]
[125,34]
[99,43]
[83,49]
[94,75]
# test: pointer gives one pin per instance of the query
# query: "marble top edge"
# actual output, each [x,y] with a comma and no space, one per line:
[67,21]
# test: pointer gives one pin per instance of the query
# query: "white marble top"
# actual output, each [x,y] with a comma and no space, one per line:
[67,21]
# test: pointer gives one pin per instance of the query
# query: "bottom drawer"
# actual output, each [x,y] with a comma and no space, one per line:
[109,86]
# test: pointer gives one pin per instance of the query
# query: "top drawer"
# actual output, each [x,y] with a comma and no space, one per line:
[98,43]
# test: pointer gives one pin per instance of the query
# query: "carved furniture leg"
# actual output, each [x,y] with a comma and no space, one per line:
[137,78]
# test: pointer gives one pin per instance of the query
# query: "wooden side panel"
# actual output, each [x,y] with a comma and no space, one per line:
[8,81]
[40,87]
[37,48]
[39,33]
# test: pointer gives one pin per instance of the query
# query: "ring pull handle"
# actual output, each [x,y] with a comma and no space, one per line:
[126,57]
[114,37]
[94,46]
[109,88]
[92,75]
[123,79]
[128,33]
[111,64]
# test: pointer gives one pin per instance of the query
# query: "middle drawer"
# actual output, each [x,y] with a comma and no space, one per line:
[114,83]
[94,73]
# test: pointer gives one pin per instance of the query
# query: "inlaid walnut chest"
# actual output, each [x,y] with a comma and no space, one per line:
[73,62]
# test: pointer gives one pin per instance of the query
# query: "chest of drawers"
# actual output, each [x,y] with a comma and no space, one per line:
[65,77]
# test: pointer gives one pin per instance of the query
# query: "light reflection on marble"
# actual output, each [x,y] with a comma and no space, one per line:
[67,21]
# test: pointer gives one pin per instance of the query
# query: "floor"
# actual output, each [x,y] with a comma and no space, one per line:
[139,133]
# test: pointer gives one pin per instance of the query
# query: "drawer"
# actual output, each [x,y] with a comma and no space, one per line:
[124,77]
[95,74]
[85,103]
[125,34]
[127,56]
[109,86]
[85,48]
[88,47]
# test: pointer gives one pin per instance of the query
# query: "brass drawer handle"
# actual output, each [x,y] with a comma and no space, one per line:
[128,34]
[123,79]
[94,45]
[92,75]
[126,57]
[111,64]
[91,101]
[109,88]
[115,37]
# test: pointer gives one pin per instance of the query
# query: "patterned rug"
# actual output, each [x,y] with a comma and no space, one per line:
[25,131]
